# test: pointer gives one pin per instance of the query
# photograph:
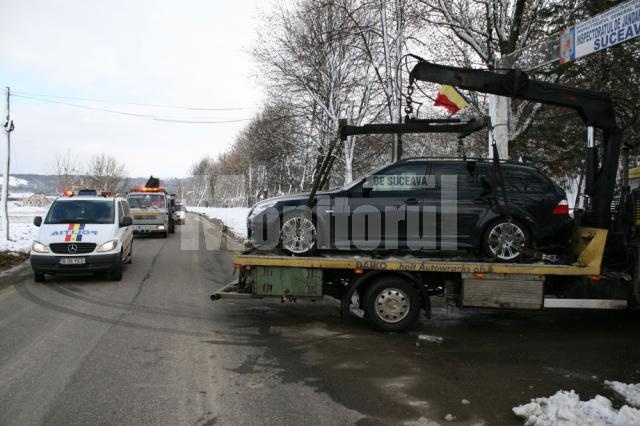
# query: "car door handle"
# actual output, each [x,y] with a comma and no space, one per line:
[412,202]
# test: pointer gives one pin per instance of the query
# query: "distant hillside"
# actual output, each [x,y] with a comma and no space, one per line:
[21,185]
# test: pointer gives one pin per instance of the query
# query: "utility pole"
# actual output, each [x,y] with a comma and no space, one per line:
[8,128]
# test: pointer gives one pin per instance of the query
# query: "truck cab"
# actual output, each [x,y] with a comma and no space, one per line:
[152,211]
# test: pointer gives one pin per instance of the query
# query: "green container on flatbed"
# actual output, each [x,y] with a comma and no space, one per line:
[285,281]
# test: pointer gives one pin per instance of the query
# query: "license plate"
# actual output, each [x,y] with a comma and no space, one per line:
[72,261]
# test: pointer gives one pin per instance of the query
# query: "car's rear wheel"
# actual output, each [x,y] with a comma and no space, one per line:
[298,234]
[391,304]
[505,240]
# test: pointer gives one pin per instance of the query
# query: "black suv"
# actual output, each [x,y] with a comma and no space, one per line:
[422,205]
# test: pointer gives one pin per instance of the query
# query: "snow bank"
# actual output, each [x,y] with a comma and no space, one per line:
[21,228]
[234,217]
[565,408]
[630,393]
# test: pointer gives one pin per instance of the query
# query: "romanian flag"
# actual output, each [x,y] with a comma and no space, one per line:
[451,98]
[73,232]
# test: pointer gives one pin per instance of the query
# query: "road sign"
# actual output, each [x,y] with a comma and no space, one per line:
[614,26]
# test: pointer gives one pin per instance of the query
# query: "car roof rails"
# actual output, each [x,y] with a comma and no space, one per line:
[477,159]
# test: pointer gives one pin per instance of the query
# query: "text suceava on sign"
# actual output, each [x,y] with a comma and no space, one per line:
[614,26]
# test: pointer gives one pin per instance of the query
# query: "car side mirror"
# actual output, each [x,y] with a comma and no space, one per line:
[126,221]
[37,221]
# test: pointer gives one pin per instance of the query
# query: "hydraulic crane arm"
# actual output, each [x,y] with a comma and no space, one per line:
[595,108]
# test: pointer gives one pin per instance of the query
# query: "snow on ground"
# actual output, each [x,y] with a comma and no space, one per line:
[21,228]
[234,217]
[565,408]
[630,393]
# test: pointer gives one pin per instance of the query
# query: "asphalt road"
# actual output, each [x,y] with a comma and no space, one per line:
[153,349]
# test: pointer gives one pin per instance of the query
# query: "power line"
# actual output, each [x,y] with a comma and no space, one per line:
[189,108]
[133,114]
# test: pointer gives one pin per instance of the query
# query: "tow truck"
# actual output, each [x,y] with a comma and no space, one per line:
[153,210]
[601,270]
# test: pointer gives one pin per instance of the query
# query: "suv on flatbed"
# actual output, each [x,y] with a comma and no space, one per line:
[424,205]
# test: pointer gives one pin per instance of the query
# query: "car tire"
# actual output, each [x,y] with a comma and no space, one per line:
[505,240]
[391,303]
[130,257]
[116,274]
[298,234]
[39,277]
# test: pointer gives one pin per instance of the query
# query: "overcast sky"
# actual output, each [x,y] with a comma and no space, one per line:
[189,53]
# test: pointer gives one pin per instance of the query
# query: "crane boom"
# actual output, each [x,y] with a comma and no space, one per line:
[595,108]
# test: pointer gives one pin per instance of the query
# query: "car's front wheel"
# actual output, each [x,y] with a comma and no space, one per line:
[505,240]
[298,234]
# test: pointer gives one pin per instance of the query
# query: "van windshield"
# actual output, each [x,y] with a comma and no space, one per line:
[81,211]
[145,201]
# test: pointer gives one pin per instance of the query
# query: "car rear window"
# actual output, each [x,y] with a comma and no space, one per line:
[523,180]
[81,211]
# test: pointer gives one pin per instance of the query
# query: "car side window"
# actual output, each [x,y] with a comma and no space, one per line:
[467,177]
[402,177]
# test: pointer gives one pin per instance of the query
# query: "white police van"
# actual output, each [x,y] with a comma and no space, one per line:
[84,233]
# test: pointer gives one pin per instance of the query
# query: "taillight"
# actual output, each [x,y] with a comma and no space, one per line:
[561,208]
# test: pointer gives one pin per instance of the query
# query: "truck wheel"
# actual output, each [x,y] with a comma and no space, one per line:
[38,277]
[116,274]
[391,304]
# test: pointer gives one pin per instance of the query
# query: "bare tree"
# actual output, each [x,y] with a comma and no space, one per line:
[66,169]
[105,173]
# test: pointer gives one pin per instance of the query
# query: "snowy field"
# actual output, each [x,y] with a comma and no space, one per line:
[235,217]
[566,408]
[22,231]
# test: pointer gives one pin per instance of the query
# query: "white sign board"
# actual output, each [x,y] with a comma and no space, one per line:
[614,26]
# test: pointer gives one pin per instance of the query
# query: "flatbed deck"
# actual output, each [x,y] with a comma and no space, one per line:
[589,247]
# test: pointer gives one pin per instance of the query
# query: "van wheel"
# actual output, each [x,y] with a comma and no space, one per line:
[391,304]
[505,240]
[38,277]
[130,257]
[116,274]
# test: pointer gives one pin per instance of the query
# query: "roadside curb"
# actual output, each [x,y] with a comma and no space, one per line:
[15,275]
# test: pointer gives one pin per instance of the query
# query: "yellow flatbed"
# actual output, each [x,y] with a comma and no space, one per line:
[589,246]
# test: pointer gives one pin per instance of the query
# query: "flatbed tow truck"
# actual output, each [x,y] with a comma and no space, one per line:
[601,270]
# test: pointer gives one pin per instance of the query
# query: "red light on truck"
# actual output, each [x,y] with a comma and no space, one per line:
[561,208]
[68,193]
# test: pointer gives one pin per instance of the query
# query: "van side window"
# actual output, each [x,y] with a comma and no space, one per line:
[120,210]
[125,208]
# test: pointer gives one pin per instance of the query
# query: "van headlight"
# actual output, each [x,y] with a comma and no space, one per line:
[108,246]
[259,208]
[38,247]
